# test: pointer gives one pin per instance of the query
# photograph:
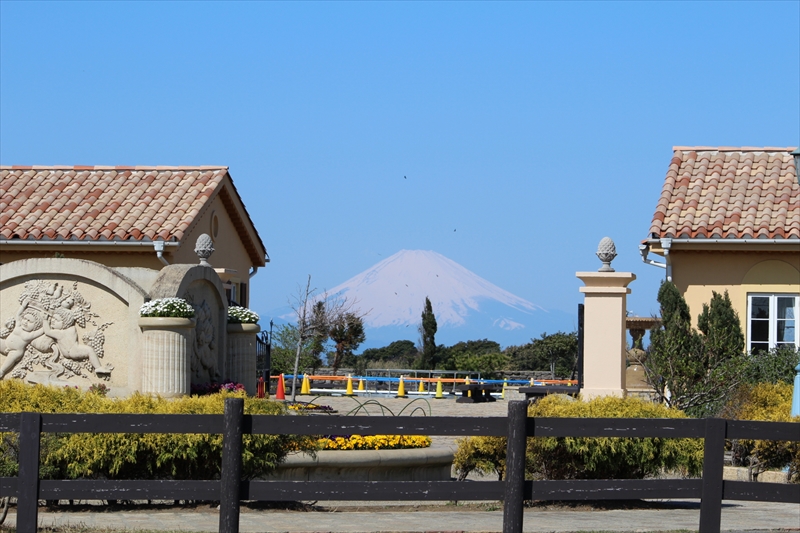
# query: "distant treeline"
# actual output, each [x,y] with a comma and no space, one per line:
[555,354]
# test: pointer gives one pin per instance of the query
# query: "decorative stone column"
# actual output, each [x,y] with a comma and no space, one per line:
[242,355]
[604,351]
[166,365]
[635,380]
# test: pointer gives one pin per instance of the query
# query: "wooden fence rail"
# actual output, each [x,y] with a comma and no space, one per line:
[514,490]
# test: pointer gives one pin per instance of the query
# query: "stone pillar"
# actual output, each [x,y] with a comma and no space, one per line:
[166,367]
[242,355]
[604,330]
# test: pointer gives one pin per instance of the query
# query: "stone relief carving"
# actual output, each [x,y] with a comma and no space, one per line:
[44,334]
[204,361]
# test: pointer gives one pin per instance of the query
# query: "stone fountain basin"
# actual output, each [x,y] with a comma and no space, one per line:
[414,464]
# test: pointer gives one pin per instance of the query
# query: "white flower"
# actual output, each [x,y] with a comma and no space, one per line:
[241,315]
[167,307]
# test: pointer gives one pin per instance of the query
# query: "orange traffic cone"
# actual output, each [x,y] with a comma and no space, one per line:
[280,392]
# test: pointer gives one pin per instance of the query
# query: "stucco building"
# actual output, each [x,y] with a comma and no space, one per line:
[729,219]
[145,217]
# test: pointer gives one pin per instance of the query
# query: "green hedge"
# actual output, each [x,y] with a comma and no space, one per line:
[769,402]
[138,456]
[588,458]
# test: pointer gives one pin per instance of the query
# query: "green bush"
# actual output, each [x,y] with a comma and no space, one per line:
[768,402]
[132,455]
[773,366]
[488,364]
[588,458]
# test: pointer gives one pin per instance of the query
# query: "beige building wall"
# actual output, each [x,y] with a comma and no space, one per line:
[144,257]
[698,273]
[229,251]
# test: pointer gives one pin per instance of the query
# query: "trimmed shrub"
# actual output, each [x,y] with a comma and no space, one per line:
[588,458]
[486,455]
[139,456]
[768,402]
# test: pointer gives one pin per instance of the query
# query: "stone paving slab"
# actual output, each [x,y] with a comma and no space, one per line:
[736,516]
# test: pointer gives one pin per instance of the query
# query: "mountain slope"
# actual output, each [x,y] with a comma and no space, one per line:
[466,306]
[395,289]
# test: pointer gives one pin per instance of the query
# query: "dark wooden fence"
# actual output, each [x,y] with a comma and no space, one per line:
[230,489]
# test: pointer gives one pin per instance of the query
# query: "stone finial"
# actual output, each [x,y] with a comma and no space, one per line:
[204,248]
[606,251]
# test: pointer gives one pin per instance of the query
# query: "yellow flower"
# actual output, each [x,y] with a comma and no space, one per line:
[374,442]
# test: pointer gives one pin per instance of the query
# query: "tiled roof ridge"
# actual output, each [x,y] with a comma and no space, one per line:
[83,205]
[720,193]
[111,167]
[734,148]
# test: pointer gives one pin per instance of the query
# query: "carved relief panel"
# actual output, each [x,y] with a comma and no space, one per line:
[53,336]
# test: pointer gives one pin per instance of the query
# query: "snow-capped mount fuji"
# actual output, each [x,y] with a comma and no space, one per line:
[467,307]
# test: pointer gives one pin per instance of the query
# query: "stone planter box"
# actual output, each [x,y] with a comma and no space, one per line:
[242,355]
[739,473]
[166,367]
[415,464]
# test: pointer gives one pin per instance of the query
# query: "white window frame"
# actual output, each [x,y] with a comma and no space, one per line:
[773,317]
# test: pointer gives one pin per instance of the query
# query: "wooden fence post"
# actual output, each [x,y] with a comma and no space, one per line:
[231,475]
[30,428]
[713,459]
[515,467]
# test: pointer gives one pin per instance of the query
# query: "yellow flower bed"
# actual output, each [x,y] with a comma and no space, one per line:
[374,442]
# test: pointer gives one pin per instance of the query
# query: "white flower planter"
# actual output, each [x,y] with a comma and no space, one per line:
[166,364]
[242,355]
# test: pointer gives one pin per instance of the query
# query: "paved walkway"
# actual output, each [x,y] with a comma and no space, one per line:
[736,516]
[422,516]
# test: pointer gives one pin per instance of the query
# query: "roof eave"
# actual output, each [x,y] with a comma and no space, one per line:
[657,245]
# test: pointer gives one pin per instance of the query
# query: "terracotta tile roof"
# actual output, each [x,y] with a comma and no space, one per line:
[729,193]
[83,203]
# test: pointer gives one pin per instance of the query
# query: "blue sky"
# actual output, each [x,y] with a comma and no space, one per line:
[526,131]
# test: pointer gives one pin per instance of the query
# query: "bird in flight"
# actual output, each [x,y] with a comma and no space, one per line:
[405,178]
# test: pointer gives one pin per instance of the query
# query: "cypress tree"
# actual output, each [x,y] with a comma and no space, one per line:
[722,331]
[427,330]
[692,371]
